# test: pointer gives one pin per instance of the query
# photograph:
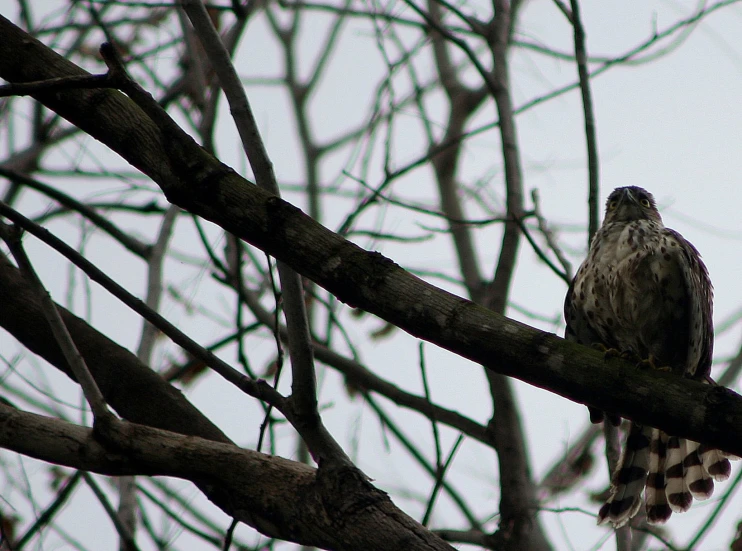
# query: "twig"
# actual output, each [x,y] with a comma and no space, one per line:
[436,436]
[230,534]
[490,83]
[257,389]
[131,243]
[439,477]
[122,530]
[549,236]
[48,513]
[564,9]
[154,282]
[376,194]
[418,456]
[186,504]
[177,517]
[590,134]
[12,237]
[541,254]
[274,327]
[371,14]
[304,392]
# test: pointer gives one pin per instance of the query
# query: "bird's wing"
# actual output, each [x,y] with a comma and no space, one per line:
[700,294]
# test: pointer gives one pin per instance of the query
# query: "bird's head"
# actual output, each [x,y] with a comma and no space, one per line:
[631,203]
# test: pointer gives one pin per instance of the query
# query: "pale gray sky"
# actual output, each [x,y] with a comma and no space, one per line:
[671,125]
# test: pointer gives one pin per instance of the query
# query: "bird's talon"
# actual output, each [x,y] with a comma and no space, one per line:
[607,352]
[651,363]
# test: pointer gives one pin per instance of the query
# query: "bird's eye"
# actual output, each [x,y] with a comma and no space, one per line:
[612,205]
[644,202]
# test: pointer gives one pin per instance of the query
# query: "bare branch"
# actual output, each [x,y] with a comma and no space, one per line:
[258,389]
[12,237]
[590,134]
[127,540]
[304,391]
[131,243]
[298,491]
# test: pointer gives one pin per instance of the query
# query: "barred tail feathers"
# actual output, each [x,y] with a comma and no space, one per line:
[673,483]
[658,509]
[715,462]
[674,470]
[629,479]
[678,493]
[700,482]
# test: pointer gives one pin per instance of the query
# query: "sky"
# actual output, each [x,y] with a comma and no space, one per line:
[670,125]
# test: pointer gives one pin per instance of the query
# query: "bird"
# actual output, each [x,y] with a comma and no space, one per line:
[644,292]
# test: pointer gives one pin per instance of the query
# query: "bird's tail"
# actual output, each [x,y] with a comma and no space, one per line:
[629,478]
[675,471]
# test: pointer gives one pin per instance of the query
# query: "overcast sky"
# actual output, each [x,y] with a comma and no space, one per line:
[671,125]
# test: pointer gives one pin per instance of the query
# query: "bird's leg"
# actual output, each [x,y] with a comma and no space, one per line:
[631,356]
[596,415]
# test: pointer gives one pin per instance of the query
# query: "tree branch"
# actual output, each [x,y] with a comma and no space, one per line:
[12,236]
[284,499]
[197,182]
[303,399]
[590,134]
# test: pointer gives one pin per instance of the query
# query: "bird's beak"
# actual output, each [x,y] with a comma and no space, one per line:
[628,196]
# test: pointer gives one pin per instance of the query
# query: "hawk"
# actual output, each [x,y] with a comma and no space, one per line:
[644,290]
